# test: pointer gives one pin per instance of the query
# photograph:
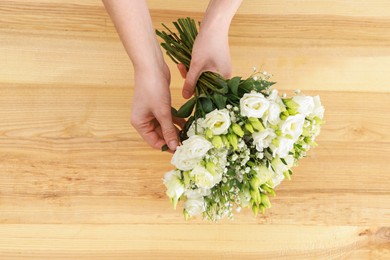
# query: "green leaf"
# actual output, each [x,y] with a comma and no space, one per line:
[283,161]
[223,86]
[186,109]
[164,148]
[233,84]
[231,172]
[173,111]
[219,100]
[247,85]
[203,95]
[207,105]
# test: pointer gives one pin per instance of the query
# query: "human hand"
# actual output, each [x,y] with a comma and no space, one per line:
[210,53]
[151,112]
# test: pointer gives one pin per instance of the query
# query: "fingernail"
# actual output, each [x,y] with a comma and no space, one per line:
[172,145]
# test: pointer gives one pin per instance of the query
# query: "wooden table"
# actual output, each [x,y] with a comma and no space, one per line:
[77,182]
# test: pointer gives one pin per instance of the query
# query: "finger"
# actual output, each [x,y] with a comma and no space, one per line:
[164,117]
[150,134]
[179,121]
[190,82]
[182,70]
[159,132]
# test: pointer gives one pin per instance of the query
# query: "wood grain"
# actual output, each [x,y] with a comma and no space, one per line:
[77,182]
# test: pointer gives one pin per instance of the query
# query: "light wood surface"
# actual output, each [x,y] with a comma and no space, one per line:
[77,182]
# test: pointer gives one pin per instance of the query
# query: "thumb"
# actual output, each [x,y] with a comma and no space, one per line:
[168,129]
[190,82]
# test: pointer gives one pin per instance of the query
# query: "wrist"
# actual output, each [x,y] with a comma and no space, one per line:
[219,15]
[149,62]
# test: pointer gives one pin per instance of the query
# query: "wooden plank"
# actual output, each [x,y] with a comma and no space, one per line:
[227,242]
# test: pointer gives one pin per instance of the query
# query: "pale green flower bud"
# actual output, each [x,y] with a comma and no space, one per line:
[255,182]
[305,132]
[174,202]
[186,215]
[233,140]
[265,200]
[287,175]
[272,193]
[278,132]
[275,142]
[270,183]
[217,141]
[319,121]
[225,141]
[284,115]
[262,209]
[255,210]
[292,112]
[251,164]
[307,140]
[186,178]
[255,194]
[249,127]
[209,133]
[265,187]
[211,168]
[237,130]
[269,190]
[256,124]
[291,104]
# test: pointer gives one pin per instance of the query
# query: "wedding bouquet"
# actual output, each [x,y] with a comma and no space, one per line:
[241,138]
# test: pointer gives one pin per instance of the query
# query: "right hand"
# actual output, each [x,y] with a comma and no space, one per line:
[151,112]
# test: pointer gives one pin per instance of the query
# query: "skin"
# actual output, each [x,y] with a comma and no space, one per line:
[151,112]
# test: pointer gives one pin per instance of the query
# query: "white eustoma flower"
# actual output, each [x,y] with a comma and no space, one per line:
[280,168]
[202,177]
[273,95]
[195,206]
[276,106]
[253,105]
[218,121]
[263,173]
[273,116]
[293,126]
[191,152]
[305,104]
[199,128]
[318,108]
[175,187]
[263,139]
[196,193]
[285,145]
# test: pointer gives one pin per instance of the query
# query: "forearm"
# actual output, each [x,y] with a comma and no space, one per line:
[134,25]
[219,14]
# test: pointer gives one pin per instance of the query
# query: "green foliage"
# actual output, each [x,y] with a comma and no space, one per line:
[186,109]
[233,84]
